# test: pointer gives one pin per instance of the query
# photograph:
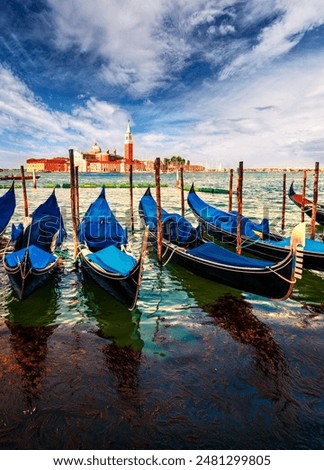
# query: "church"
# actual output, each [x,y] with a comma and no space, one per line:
[95,161]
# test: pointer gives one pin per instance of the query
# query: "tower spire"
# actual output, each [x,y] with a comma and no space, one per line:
[128,145]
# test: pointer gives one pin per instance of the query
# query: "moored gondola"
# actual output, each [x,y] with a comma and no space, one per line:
[183,244]
[306,205]
[18,177]
[256,238]
[104,256]
[30,258]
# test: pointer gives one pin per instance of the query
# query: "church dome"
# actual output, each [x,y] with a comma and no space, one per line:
[95,148]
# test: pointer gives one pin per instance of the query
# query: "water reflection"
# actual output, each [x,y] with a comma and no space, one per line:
[31,323]
[120,327]
[200,289]
[310,289]
[236,316]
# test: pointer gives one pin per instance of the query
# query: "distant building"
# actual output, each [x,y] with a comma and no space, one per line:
[36,164]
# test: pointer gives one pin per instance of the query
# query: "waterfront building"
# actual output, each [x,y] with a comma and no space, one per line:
[36,164]
[97,161]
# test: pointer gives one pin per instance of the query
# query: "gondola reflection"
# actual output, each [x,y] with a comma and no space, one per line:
[31,323]
[121,329]
[234,314]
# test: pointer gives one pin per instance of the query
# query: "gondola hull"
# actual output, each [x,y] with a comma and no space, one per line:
[25,280]
[209,260]
[272,283]
[123,288]
[263,249]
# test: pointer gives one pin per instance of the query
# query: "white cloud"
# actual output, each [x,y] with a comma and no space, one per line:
[121,33]
[28,125]
[270,117]
[279,37]
[142,45]
[274,119]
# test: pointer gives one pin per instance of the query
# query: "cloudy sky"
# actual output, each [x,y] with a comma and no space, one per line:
[216,82]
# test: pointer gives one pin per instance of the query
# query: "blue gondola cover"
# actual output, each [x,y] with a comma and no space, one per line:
[39,259]
[212,252]
[99,231]
[114,260]
[7,207]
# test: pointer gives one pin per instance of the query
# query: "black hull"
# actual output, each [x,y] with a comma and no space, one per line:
[124,289]
[262,250]
[25,286]
[276,283]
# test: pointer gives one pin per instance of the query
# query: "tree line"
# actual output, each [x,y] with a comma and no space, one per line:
[175,161]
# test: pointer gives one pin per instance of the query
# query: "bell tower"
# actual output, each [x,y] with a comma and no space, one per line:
[128,145]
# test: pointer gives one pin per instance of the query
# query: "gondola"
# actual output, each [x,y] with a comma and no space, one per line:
[7,208]
[256,238]
[306,205]
[183,244]
[102,243]
[30,258]
[17,177]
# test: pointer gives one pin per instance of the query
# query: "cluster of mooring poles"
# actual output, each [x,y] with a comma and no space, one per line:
[74,196]
[239,193]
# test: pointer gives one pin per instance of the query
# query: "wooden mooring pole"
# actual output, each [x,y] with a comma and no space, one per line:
[315,197]
[34,179]
[239,208]
[303,196]
[77,200]
[131,204]
[73,203]
[182,192]
[157,167]
[283,201]
[23,184]
[230,191]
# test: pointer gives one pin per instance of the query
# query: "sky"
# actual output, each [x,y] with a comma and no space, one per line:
[215,82]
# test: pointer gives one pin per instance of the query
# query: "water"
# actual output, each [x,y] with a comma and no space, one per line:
[196,366]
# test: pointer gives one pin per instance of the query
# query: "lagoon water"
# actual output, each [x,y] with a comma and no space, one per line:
[79,371]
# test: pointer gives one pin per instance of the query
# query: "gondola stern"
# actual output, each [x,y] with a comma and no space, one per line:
[298,236]
[291,191]
[297,244]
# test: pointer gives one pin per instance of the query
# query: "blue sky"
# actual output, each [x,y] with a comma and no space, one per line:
[216,82]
